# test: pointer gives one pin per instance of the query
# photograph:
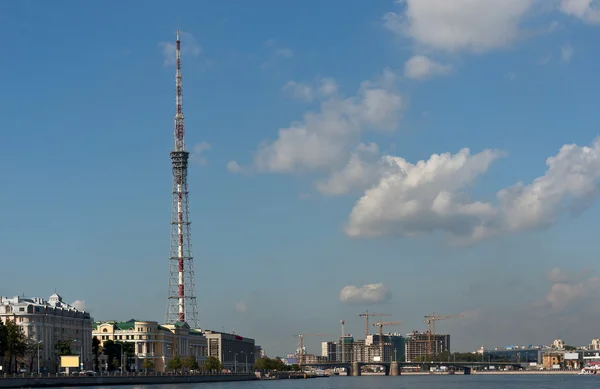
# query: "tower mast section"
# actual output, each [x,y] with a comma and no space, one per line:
[182,305]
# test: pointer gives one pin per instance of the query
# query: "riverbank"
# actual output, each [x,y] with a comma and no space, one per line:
[45,382]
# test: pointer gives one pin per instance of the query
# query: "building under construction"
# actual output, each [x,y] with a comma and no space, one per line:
[366,350]
[416,345]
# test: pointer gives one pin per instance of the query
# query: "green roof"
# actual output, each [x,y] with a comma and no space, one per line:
[128,325]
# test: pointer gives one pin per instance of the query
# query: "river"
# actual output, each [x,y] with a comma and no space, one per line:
[401,382]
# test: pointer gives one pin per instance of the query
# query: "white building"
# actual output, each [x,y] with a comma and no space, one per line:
[48,322]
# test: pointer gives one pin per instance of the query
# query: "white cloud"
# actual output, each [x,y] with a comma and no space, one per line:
[566,52]
[235,168]
[370,293]
[359,173]
[323,88]
[413,199]
[471,25]
[322,138]
[79,305]
[298,90]
[241,307]
[587,10]
[420,67]
[189,45]
[567,289]
[198,153]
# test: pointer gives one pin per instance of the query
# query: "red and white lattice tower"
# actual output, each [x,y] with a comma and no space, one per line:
[182,306]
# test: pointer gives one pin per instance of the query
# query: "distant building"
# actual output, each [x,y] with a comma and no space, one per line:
[235,352]
[416,345]
[49,322]
[157,342]
[559,344]
[330,351]
[258,352]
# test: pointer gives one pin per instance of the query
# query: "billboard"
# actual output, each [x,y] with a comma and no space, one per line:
[571,356]
[69,361]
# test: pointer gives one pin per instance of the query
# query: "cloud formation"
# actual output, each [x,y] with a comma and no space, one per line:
[414,199]
[459,25]
[369,293]
[189,46]
[420,67]
[198,153]
[79,305]
[321,140]
[586,10]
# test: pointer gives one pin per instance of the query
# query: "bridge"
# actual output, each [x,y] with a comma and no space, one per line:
[395,368]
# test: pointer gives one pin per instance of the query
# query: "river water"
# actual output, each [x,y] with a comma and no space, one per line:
[401,382]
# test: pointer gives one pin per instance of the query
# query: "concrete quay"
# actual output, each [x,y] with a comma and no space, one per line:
[45,382]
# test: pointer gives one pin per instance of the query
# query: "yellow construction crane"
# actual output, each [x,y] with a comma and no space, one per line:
[366,316]
[301,336]
[430,320]
[380,324]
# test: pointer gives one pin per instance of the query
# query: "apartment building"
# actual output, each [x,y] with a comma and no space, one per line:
[48,322]
[416,345]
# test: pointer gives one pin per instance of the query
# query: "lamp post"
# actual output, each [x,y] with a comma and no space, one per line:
[80,353]
[246,357]
[38,356]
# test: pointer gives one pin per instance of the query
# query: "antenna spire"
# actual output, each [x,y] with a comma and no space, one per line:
[179,120]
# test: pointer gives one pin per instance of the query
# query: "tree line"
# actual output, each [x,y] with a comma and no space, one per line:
[272,364]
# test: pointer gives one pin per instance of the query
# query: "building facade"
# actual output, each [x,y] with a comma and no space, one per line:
[235,352]
[159,343]
[48,322]
[416,345]
[329,350]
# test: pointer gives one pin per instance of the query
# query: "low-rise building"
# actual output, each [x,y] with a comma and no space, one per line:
[49,322]
[157,342]
[235,352]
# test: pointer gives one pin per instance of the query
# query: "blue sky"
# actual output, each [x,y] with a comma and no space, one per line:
[307,205]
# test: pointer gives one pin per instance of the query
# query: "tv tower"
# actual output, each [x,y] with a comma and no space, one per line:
[182,306]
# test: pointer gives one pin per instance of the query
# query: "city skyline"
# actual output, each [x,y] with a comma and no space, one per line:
[306,130]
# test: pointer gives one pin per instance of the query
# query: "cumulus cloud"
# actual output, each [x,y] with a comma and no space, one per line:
[241,307]
[322,88]
[469,25]
[189,46]
[235,168]
[414,199]
[369,293]
[79,305]
[322,138]
[420,67]
[586,10]
[198,153]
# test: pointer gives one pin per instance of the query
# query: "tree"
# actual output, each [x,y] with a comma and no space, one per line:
[16,344]
[175,364]
[63,347]
[213,364]
[3,340]
[113,354]
[148,364]
[96,351]
[190,363]
[127,349]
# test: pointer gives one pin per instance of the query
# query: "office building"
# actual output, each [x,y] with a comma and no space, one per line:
[49,322]
[330,351]
[235,352]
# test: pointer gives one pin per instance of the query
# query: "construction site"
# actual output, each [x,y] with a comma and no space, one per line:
[380,346]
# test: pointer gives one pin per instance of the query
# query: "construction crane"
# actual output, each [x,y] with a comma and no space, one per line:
[430,320]
[366,316]
[380,324]
[301,336]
